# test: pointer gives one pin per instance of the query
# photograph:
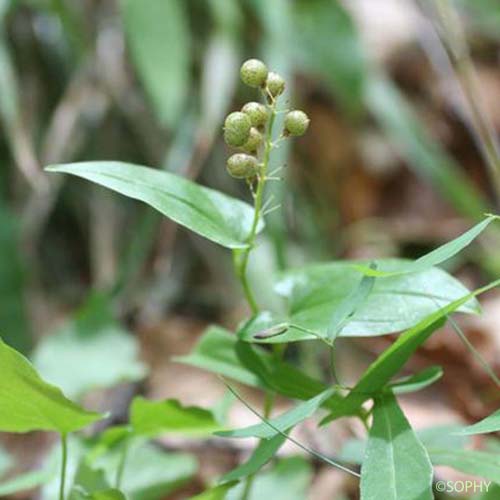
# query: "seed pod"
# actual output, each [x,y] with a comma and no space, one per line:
[254,141]
[241,166]
[253,73]
[237,129]
[275,84]
[257,113]
[296,123]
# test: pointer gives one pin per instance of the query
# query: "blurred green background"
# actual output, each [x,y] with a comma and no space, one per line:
[89,281]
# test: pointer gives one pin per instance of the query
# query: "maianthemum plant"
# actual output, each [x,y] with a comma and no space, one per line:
[323,301]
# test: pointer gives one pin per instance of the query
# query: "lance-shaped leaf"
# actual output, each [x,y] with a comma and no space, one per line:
[417,382]
[346,309]
[476,463]
[488,424]
[27,403]
[437,256]
[388,364]
[266,450]
[152,418]
[396,465]
[393,305]
[282,423]
[211,214]
[216,493]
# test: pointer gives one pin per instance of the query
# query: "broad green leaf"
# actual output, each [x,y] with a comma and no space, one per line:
[158,36]
[152,418]
[394,304]
[388,364]
[288,480]
[28,403]
[216,493]
[440,437]
[264,452]
[437,256]
[211,214]
[348,306]
[396,465]
[284,422]
[13,319]
[418,381]
[477,463]
[77,357]
[488,424]
[216,352]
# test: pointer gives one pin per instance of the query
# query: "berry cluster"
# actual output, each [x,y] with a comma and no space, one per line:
[249,129]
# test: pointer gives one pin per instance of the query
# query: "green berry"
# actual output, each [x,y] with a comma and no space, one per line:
[253,73]
[241,165]
[237,129]
[275,84]
[257,113]
[296,123]
[254,141]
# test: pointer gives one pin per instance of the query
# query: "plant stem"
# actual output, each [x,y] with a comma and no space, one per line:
[453,39]
[64,460]
[121,465]
[241,260]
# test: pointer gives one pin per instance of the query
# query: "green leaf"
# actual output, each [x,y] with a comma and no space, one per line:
[477,463]
[264,452]
[91,484]
[396,465]
[418,381]
[437,256]
[284,422]
[77,357]
[216,493]
[440,436]
[348,306]
[388,364]
[158,36]
[27,403]
[288,480]
[152,418]
[211,214]
[216,352]
[394,304]
[488,424]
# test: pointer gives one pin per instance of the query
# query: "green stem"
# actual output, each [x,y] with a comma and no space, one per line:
[121,465]
[241,260]
[64,460]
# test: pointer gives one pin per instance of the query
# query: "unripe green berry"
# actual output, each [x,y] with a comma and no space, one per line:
[237,129]
[241,166]
[275,84]
[257,113]
[254,141]
[296,123]
[253,73]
